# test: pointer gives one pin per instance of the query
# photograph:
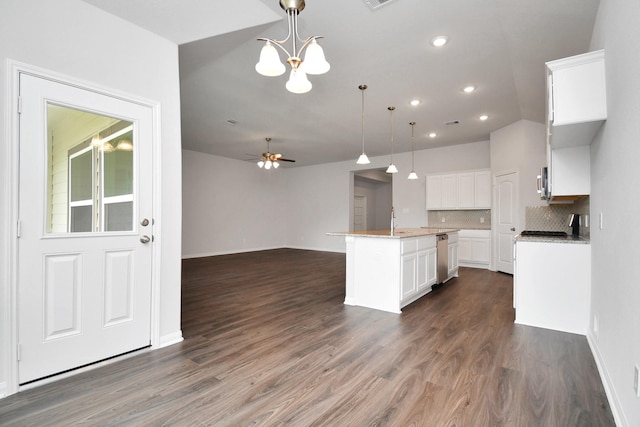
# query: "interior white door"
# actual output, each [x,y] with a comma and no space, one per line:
[85,240]
[359,213]
[506,220]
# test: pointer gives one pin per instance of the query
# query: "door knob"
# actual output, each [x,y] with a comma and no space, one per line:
[144,222]
[145,239]
[513,229]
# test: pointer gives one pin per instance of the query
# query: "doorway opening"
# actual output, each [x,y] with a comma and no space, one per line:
[372,199]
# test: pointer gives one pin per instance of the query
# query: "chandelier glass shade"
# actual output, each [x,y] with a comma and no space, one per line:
[392,168]
[412,174]
[314,61]
[363,159]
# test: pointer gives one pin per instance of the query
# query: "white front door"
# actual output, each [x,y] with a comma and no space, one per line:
[506,218]
[85,230]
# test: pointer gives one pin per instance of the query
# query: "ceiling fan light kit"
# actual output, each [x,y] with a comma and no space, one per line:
[269,159]
[314,60]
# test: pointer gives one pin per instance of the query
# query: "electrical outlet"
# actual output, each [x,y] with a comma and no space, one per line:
[481,220]
[635,380]
[443,219]
[586,221]
[596,326]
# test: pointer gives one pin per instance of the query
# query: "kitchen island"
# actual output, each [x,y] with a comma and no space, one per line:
[388,271]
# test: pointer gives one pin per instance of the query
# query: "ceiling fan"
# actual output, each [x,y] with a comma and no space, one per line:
[269,159]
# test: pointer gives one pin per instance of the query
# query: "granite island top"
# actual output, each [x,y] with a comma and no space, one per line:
[399,233]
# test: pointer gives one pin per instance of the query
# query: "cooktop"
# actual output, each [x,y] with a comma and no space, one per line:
[543,233]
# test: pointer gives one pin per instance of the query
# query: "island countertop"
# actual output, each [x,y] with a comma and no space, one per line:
[399,233]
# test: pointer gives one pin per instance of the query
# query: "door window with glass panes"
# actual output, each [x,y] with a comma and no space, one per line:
[99,173]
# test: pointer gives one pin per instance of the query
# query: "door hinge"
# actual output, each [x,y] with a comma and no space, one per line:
[19,105]
[19,352]
[18,228]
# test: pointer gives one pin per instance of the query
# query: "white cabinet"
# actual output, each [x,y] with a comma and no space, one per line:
[418,268]
[570,172]
[452,258]
[483,189]
[465,190]
[552,285]
[576,99]
[474,248]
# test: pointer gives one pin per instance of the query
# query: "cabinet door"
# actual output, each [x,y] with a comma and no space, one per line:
[453,259]
[449,191]
[434,192]
[579,93]
[408,273]
[480,251]
[571,171]
[466,191]
[464,250]
[432,266]
[422,270]
[483,189]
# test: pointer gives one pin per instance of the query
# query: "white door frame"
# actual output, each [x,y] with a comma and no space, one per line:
[9,307]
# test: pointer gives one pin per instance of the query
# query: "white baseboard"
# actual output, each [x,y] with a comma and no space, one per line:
[170,339]
[609,389]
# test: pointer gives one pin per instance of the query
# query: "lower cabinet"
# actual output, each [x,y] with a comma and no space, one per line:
[552,285]
[452,258]
[475,248]
[418,268]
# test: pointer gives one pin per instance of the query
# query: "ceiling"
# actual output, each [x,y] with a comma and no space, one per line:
[500,46]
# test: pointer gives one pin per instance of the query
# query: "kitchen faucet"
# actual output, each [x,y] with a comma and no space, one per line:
[393,220]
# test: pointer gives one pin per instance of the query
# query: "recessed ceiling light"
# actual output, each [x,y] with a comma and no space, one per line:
[483,117]
[415,102]
[469,89]
[433,135]
[439,41]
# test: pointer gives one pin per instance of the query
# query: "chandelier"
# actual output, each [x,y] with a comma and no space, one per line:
[314,61]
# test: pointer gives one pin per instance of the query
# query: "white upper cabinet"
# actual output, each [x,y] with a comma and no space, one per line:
[576,99]
[570,172]
[483,189]
[464,190]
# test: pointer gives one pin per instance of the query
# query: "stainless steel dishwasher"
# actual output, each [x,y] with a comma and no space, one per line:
[443,257]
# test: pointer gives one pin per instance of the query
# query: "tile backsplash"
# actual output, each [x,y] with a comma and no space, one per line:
[466,219]
[556,217]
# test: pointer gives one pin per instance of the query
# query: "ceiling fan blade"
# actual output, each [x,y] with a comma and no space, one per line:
[285,160]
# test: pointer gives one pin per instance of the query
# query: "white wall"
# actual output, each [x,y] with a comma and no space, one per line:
[305,202]
[614,192]
[521,147]
[230,206]
[72,38]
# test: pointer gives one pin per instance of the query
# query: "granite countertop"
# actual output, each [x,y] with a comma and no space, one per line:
[400,233]
[547,239]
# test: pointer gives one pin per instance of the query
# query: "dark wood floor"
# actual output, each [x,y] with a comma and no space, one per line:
[269,342]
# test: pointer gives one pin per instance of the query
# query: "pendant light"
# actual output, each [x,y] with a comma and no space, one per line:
[363,159]
[392,168]
[413,174]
